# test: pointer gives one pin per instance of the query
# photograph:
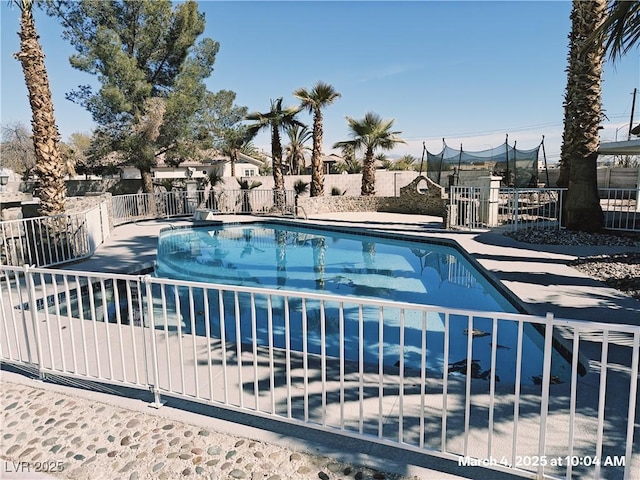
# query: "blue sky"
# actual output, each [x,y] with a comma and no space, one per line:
[466,71]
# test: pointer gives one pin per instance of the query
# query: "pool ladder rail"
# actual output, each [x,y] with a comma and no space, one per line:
[303,211]
[295,212]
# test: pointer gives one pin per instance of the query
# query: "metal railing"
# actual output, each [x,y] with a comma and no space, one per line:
[51,240]
[473,208]
[621,208]
[542,397]
[531,207]
[143,206]
[464,207]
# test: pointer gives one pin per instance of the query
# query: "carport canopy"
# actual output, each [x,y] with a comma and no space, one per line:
[627,147]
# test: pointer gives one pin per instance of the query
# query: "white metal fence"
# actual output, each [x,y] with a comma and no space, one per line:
[53,240]
[621,208]
[473,208]
[398,374]
[142,206]
[480,207]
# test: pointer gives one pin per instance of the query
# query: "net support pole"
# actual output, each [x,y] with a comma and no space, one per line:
[544,157]
[441,160]
[506,149]
[515,168]
[633,107]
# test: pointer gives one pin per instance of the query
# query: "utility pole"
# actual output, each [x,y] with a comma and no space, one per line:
[633,106]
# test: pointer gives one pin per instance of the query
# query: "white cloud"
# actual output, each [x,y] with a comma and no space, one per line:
[388,71]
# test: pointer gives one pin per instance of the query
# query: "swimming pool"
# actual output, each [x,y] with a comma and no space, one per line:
[328,261]
[352,264]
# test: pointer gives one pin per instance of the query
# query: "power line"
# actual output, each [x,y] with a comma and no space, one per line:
[502,130]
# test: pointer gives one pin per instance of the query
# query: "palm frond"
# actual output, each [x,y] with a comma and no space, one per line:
[620,31]
[320,95]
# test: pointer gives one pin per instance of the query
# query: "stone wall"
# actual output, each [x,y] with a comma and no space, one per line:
[335,203]
[24,206]
[421,196]
[82,204]
[113,185]
[78,188]
[388,184]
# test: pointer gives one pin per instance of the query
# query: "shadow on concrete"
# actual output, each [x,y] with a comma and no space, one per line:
[316,442]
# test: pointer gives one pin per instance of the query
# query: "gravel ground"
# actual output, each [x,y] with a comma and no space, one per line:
[72,437]
[620,271]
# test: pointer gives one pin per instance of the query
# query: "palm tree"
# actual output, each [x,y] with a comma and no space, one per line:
[49,168]
[348,165]
[320,96]
[234,140]
[244,200]
[384,161]
[621,29]
[213,179]
[582,117]
[406,162]
[301,187]
[348,153]
[370,133]
[276,119]
[296,149]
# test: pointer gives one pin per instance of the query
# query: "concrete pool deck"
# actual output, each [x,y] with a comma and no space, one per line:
[537,275]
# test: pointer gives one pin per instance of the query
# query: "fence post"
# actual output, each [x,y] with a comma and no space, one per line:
[633,395]
[105,220]
[546,379]
[33,308]
[154,349]
[607,177]
[638,192]
[516,206]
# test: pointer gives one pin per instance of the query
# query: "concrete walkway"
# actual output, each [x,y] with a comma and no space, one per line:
[98,439]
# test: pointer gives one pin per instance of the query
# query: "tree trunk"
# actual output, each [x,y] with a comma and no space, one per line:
[49,167]
[583,210]
[147,180]
[317,172]
[368,175]
[583,114]
[276,151]
[233,157]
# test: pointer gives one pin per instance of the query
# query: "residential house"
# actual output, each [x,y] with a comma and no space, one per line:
[246,166]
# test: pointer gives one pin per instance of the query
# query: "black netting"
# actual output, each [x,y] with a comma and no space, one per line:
[518,168]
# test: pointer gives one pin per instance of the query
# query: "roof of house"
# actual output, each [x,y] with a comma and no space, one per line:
[249,159]
[331,158]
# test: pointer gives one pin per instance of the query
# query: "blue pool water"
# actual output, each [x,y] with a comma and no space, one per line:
[276,256]
[353,265]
